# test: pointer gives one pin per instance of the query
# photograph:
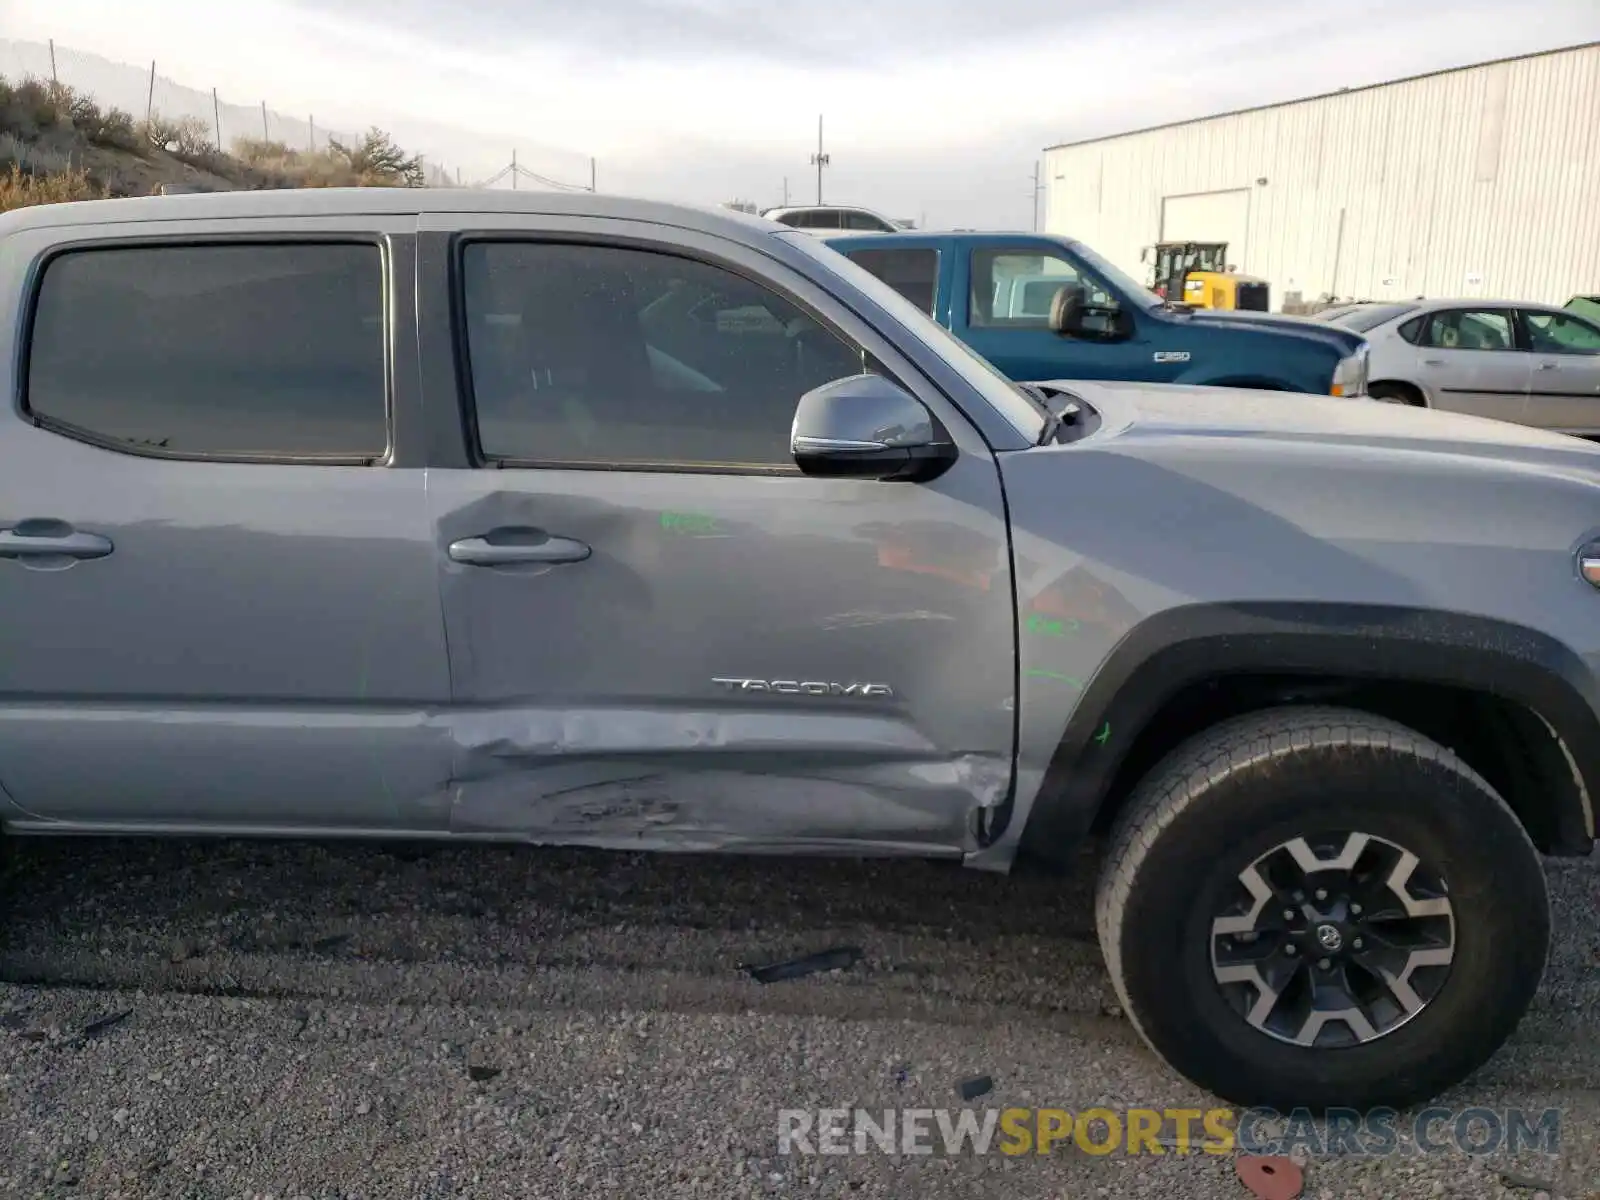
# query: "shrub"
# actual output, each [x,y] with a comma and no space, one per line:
[33,106]
[113,128]
[31,157]
[18,189]
[188,139]
[264,154]
[376,161]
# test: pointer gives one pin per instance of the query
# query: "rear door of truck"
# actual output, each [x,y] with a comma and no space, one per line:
[220,601]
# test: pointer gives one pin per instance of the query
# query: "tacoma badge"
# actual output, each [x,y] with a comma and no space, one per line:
[797,687]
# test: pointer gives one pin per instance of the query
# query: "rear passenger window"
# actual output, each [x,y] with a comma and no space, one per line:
[1412,329]
[225,351]
[865,222]
[602,356]
[1465,329]
[912,273]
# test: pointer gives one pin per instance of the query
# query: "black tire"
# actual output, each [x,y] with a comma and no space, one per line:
[1396,393]
[1230,795]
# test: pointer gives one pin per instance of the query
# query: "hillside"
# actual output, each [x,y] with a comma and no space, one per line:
[59,144]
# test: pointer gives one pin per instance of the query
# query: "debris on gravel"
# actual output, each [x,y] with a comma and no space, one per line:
[505,1022]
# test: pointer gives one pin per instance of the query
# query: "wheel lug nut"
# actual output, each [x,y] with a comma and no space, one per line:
[1299,897]
[1357,943]
[1291,950]
[1288,914]
[1322,893]
[1325,963]
[1355,910]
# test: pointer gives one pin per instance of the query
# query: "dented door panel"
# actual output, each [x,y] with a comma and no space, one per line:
[750,662]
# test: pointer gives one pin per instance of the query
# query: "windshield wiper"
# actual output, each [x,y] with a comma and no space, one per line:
[1040,397]
[1067,423]
[1034,393]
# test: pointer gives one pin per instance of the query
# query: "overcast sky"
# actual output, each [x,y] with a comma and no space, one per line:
[934,109]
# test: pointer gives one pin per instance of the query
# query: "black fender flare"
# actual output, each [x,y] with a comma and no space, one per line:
[1184,646]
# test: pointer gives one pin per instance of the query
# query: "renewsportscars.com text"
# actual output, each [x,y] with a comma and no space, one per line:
[1099,1131]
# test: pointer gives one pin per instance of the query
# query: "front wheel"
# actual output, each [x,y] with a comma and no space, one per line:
[1317,907]
[1396,393]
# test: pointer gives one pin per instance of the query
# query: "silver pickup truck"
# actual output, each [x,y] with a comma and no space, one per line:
[568,519]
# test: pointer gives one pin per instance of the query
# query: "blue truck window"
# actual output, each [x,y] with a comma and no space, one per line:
[1014,289]
[912,273]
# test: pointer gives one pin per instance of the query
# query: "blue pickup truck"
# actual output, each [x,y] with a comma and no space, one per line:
[1041,307]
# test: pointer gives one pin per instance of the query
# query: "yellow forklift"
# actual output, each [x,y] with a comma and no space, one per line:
[1198,274]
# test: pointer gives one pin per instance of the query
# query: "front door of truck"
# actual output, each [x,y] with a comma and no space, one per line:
[661,634]
[1002,296]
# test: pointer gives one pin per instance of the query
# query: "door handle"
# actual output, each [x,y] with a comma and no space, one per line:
[501,547]
[53,539]
[1549,366]
[1433,362]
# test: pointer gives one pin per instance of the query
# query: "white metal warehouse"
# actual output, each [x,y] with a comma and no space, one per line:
[1478,181]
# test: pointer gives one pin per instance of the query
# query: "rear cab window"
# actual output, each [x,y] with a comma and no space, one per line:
[913,272]
[261,351]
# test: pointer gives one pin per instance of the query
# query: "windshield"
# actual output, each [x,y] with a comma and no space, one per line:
[1017,406]
[1370,316]
[1586,306]
[1119,279]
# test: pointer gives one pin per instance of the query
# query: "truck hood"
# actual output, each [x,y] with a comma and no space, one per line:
[1322,331]
[1145,410]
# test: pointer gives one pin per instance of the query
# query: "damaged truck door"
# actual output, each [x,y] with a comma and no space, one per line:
[663,633]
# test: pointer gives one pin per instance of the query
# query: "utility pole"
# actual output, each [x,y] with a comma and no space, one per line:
[311,133]
[265,136]
[786,191]
[819,159]
[513,170]
[54,78]
[1036,196]
[591,175]
[216,114]
[150,97]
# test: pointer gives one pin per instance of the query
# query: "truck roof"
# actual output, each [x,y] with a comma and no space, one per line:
[380,201]
[964,234]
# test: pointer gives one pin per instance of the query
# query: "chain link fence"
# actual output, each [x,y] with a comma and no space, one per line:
[143,91]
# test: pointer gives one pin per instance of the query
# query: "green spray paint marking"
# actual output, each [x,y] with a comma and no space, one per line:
[688,522]
[1104,735]
[1038,624]
[1070,680]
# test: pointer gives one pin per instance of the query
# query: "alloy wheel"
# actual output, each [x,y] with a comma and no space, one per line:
[1334,940]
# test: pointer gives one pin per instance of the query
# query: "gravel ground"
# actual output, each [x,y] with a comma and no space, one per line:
[312,1020]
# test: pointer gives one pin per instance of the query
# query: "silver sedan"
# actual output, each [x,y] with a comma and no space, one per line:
[1534,364]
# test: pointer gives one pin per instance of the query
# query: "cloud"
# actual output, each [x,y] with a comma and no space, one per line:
[824,34]
[936,106]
